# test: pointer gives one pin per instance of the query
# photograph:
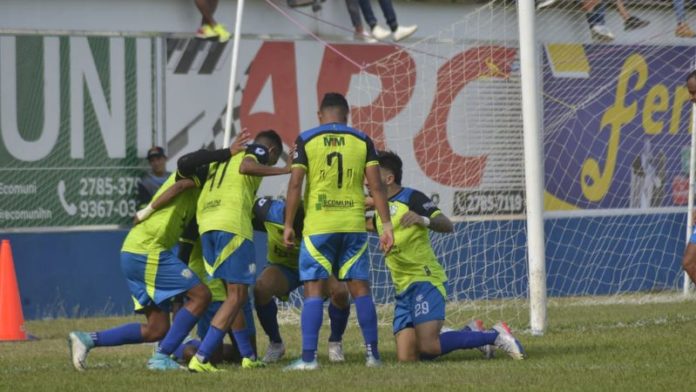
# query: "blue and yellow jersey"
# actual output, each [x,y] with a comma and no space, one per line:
[269,215]
[163,228]
[228,196]
[196,263]
[412,258]
[334,157]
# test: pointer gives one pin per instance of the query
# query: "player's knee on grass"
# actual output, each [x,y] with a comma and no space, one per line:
[406,346]
[429,347]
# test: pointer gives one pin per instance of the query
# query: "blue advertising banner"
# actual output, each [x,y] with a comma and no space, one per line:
[616,126]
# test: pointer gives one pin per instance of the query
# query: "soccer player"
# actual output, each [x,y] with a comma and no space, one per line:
[336,159]
[281,276]
[155,275]
[689,260]
[224,220]
[419,278]
[190,252]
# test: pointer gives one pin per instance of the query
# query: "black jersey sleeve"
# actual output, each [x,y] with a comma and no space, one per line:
[300,157]
[422,205]
[260,212]
[187,164]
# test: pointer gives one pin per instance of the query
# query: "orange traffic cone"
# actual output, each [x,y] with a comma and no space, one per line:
[11,317]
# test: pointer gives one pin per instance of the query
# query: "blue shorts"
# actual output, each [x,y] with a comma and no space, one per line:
[342,254]
[229,257]
[421,302]
[156,277]
[204,321]
[291,275]
[692,240]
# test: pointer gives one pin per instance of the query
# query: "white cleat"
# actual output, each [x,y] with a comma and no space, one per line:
[488,351]
[380,33]
[372,362]
[508,343]
[299,364]
[336,352]
[403,32]
[79,344]
[274,352]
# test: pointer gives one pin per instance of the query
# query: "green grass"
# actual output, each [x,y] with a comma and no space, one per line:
[597,347]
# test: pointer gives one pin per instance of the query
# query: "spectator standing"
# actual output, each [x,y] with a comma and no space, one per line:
[154,178]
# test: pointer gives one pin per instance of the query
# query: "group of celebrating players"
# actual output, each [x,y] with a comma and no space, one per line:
[195,239]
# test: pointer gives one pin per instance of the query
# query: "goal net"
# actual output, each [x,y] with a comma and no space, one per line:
[616,144]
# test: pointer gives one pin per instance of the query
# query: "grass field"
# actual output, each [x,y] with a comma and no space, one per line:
[589,347]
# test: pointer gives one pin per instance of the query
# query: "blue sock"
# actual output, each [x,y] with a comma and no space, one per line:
[312,317]
[458,340]
[367,318]
[248,312]
[268,317]
[339,321]
[213,339]
[181,326]
[179,352]
[123,334]
[241,337]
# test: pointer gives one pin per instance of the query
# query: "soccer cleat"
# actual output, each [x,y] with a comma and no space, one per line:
[336,352]
[380,33]
[635,23]
[372,362]
[403,32]
[508,343]
[488,351]
[79,344]
[196,366]
[601,33]
[206,32]
[222,33]
[160,361]
[248,363]
[299,364]
[274,352]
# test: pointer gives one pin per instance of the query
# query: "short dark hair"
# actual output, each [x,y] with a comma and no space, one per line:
[390,161]
[335,100]
[692,75]
[272,136]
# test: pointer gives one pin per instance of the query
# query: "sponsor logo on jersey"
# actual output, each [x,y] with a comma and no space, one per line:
[187,273]
[393,209]
[332,204]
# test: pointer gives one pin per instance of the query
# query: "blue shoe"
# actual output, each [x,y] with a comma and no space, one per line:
[160,361]
[79,344]
[299,364]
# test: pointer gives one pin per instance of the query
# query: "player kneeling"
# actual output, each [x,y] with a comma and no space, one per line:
[419,278]
[281,276]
